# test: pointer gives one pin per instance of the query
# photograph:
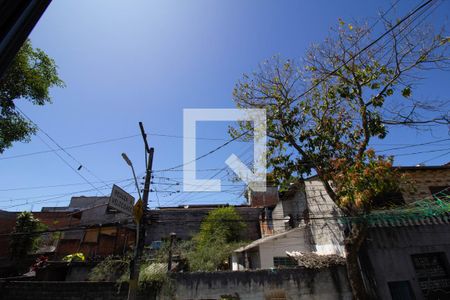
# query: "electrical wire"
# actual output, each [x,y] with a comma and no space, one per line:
[57,154]
[435,157]
[352,57]
[204,155]
[55,186]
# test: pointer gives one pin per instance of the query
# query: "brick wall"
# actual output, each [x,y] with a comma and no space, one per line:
[185,222]
[422,179]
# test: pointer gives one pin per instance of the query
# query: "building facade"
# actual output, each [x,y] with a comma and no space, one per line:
[185,221]
[403,257]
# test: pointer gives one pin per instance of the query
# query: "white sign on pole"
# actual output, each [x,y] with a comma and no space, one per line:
[121,200]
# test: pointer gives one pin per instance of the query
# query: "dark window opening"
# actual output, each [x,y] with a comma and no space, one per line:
[266,221]
[284,261]
[440,192]
[401,290]
[290,224]
[388,199]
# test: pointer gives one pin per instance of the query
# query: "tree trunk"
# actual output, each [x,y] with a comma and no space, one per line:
[353,243]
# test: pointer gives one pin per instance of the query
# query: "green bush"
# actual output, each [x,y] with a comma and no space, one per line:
[220,234]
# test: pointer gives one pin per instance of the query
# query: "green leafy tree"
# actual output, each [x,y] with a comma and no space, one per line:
[23,241]
[223,222]
[220,233]
[323,112]
[29,77]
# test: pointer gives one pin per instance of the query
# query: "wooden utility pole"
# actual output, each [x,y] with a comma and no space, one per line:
[135,263]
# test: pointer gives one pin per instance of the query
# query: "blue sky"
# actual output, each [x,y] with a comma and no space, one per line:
[125,62]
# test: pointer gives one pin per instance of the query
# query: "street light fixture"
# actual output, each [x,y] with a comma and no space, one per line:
[128,161]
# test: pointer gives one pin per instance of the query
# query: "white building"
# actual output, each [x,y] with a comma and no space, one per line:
[304,219]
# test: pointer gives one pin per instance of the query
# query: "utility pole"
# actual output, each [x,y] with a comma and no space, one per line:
[135,263]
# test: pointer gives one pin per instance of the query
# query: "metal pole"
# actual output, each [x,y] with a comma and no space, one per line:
[136,182]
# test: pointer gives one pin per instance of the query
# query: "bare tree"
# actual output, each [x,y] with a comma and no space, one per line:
[324,110]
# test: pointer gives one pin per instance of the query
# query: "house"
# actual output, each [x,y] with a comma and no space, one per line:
[404,256]
[88,225]
[270,251]
[52,220]
[303,218]
[100,230]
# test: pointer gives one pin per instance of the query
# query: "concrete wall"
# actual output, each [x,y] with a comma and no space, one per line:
[48,290]
[280,284]
[292,206]
[326,232]
[388,253]
[290,284]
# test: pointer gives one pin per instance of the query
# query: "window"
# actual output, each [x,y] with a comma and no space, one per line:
[400,290]
[284,261]
[388,199]
[266,221]
[441,192]
[432,274]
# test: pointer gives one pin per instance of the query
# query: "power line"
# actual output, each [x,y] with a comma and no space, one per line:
[421,152]
[70,147]
[49,198]
[55,186]
[436,157]
[352,57]
[311,217]
[357,54]
[188,137]
[57,154]
[109,141]
[246,150]
[414,145]
[204,155]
